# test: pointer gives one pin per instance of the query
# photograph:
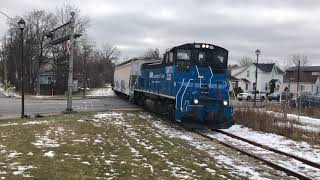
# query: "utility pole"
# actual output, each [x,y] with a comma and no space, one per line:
[298,84]
[5,74]
[70,76]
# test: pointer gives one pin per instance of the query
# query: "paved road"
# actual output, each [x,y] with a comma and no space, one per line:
[12,106]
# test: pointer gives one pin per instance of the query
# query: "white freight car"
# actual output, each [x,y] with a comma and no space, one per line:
[125,75]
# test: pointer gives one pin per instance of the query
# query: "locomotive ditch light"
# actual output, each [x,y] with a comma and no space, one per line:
[195,101]
[225,102]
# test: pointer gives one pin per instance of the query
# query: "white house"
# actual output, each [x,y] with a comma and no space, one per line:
[269,79]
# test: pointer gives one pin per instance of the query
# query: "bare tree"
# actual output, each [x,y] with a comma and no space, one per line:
[152,53]
[293,60]
[245,61]
[40,22]
[110,52]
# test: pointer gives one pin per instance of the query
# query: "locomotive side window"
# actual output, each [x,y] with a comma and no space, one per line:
[171,57]
[201,57]
[183,54]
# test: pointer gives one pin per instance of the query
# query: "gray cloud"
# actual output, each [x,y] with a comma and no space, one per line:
[278,28]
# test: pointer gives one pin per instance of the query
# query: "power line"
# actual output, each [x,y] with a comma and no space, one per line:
[8,16]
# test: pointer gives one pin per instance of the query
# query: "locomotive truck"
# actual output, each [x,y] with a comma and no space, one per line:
[189,85]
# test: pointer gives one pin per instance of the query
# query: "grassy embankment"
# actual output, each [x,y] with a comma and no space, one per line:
[272,123]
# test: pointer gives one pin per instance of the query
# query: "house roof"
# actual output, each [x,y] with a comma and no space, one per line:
[279,70]
[309,79]
[273,80]
[264,67]
[232,78]
[245,80]
[305,68]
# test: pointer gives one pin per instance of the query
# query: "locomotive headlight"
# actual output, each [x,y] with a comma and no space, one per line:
[225,102]
[195,101]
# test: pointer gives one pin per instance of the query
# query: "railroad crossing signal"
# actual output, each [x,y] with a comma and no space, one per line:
[59,35]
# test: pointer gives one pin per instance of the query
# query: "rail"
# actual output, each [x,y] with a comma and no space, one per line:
[269,163]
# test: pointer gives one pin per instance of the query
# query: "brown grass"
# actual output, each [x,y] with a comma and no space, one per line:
[311,112]
[262,121]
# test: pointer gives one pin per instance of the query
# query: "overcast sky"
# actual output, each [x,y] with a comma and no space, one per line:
[277,28]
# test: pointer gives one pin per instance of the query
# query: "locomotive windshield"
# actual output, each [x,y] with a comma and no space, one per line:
[215,58]
[183,54]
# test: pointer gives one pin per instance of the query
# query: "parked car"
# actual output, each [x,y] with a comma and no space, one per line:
[248,96]
[286,96]
[309,100]
[274,96]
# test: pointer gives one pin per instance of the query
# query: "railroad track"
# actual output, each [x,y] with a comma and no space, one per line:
[270,163]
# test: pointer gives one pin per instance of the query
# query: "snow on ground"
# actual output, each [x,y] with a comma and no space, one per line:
[101,92]
[301,149]
[9,93]
[49,154]
[233,164]
[43,140]
[313,122]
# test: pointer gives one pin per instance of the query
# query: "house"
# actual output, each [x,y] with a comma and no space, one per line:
[269,79]
[309,79]
[47,80]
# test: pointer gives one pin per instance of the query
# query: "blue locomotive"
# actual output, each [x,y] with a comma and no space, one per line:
[190,85]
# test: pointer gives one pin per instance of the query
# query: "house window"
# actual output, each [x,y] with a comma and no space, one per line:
[266,86]
[247,86]
[49,79]
[248,73]
[254,86]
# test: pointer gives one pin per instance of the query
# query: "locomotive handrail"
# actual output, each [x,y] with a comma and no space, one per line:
[179,92]
[184,94]
[200,77]
[211,75]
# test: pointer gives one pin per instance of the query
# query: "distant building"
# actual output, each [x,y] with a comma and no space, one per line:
[270,77]
[309,79]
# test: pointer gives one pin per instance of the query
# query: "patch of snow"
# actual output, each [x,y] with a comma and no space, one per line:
[9,93]
[86,163]
[14,154]
[49,154]
[301,149]
[20,170]
[45,142]
[34,122]
[101,92]
[303,119]
[211,171]
[9,124]
[200,165]
[108,115]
